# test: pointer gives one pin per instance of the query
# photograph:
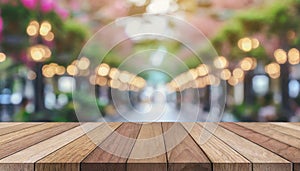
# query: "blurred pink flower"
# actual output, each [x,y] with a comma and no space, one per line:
[62,12]
[1,24]
[1,28]
[4,1]
[30,4]
[46,5]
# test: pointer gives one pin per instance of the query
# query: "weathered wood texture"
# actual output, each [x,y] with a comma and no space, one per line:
[149,147]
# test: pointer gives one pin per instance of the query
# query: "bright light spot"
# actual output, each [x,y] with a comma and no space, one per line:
[16,98]
[62,99]
[66,84]
[45,28]
[294,56]
[39,53]
[60,70]
[114,73]
[101,81]
[158,6]
[31,75]
[83,63]
[2,57]
[280,56]
[48,71]
[233,81]
[238,73]
[221,62]
[273,70]
[247,64]
[114,84]
[294,88]
[103,70]
[49,37]
[260,84]
[72,70]
[33,28]
[202,70]
[245,44]
[29,108]
[126,77]
[225,74]
[50,100]
[36,54]
[193,73]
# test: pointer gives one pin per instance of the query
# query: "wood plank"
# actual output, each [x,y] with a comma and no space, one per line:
[148,153]
[261,158]
[25,132]
[27,141]
[288,125]
[34,153]
[286,128]
[17,127]
[295,123]
[268,131]
[222,156]
[120,142]
[286,151]
[182,151]
[7,124]
[69,157]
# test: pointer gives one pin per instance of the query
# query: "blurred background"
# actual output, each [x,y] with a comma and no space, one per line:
[257,42]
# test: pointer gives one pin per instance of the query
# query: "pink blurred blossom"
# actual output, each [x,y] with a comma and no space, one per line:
[62,12]
[4,1]
[30,4]
[1,27]
[1,24]
[47,5]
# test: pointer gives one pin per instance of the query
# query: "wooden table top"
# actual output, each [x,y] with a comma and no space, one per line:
[66,147]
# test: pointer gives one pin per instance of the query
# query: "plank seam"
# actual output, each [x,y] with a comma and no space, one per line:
[166,153]
[68,144]
[20,129]
[268,140]
[126,162]
[211,163]
[251,164]
[21,149]
[80,164]
[31,133]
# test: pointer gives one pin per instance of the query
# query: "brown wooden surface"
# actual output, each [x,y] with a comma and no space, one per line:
[173,146]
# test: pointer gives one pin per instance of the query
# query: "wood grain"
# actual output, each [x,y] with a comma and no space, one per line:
[120,142]
[288,125]
[70,156]
[25,132]
[268,131]
[222,156]
[283,129]
[17,127]
[288,152]
[261,158]
[186,154]
[148,153]
[7,124]
[27,141]
[70,147]
[34,153]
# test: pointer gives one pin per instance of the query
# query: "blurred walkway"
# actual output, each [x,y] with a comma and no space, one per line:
[160,113]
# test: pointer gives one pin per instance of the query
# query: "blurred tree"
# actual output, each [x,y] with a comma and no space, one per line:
[34,32]
[274,20]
